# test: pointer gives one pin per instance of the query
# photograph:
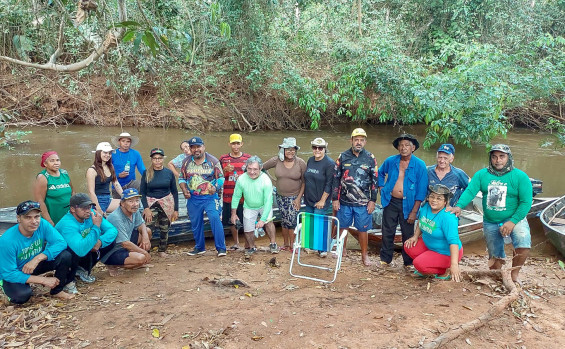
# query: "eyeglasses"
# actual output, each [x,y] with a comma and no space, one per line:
[318,148]
[157,158]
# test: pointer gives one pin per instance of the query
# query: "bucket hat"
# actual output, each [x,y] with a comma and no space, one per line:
[289,142]
[116,139]
[406,136]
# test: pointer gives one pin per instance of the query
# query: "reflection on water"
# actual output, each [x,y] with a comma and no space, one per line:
[76,143]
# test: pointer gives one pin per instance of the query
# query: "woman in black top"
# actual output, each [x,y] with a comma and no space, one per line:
[159,196]
[99,177]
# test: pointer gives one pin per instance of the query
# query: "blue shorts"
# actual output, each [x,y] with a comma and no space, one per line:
[357,215]
[118,257]
[520,235]
[104,201]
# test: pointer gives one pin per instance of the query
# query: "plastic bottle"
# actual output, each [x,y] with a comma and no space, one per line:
[507,239]
[127,167]
[259,232]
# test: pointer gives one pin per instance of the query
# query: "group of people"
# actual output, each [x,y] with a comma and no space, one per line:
[69,233]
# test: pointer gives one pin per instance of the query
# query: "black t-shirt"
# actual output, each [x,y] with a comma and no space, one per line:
[318,179]
[162,184]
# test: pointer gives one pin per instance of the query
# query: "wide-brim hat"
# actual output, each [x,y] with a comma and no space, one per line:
[289,142]
[116,139]
[406,136]
[441,189]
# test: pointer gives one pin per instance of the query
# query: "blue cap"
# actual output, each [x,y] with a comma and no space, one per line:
[27,206]
[195,141]
[130,193]
[446,148]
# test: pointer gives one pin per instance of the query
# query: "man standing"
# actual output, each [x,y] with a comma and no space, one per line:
[125,161]
[30,248]
[444,173]
[200,180]
[232,164]
[132,245]
[402,192]
[257,189]
[88,235]
[355,189]
[507,198]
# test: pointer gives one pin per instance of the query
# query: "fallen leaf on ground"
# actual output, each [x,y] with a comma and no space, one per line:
[155,333]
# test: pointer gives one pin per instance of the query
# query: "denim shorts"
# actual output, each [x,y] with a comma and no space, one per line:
[357,215]
[104,201]
[312,209]
[520,235]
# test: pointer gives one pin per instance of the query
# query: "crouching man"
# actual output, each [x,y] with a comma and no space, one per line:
[134,238]
[30,248]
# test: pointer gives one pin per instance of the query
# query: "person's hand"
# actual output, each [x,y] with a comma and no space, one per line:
[211,189]
[186,193]
[123,174]
[97,245]
[455,210]
[147,215]
[455,273]
[233,218]
[175,216]
[30,266]
[411,242]
[296,203]
[147,257]
[145,244]
[96,218]
[320,204]
[335,205]
[229,168]
[506,228]
[50,282]
[260,225]
[370,207]
[412,218]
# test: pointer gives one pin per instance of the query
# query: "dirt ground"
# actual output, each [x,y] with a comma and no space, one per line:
[176,304]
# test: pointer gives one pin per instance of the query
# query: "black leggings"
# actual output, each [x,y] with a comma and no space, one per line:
[21,293]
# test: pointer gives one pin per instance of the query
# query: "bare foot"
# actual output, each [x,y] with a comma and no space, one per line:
[114,271]
[64,295]
[366,260]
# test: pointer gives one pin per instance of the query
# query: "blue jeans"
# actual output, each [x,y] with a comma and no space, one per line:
[520,236]
[196,206]
[312,209]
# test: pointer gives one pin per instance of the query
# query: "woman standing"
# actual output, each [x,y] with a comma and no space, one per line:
[52,188]
[289,171]
[318,178]
[435,246]
[175,164]
[159,196]
[98,179]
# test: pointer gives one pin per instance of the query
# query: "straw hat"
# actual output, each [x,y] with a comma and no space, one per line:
[116,139]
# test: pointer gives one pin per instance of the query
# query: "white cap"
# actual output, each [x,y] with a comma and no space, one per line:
[104,146]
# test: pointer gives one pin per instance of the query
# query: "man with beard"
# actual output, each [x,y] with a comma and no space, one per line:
[403,180]
[507,198]
[445,173]
[355,189]
[201,179]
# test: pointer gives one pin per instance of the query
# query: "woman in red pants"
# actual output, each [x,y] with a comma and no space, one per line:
[435,246]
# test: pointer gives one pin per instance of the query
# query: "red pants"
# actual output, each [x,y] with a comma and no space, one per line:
[429,262]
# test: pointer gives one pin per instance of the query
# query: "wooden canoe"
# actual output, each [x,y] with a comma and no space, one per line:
[553,220]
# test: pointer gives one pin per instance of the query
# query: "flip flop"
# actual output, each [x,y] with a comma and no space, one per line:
[445,278]
[234,248]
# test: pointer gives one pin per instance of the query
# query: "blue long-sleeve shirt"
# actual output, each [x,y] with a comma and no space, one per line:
[81,237]
[120,159]
[16,250]
[415,181]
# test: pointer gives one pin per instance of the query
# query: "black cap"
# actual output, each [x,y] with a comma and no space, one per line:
[80,200]
[27,206]
[406,136]
[156,151]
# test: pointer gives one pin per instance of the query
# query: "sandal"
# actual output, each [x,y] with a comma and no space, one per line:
[445,278]
[285,248]
[234,247]
[423,276]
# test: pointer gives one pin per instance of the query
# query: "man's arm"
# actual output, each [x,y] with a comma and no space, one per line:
[525,197]
[108,233]
[139,163]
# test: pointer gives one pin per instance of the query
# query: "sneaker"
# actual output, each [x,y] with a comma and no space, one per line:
[250,251]
[71,288]
[222,253]
[85,276]
[323,254]
[196,252]
[274,248]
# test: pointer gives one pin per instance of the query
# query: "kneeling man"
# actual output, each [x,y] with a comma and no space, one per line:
[134,238]
[30,248]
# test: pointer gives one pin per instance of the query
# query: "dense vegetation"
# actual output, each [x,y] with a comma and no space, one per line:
[469,69]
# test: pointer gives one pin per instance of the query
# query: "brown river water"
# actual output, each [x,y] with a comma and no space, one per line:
[76,143]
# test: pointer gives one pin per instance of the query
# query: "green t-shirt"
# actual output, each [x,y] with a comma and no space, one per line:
[58,194]
[506,197]
[257,193]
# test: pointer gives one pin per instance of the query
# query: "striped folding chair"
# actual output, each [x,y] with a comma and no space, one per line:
[314,232]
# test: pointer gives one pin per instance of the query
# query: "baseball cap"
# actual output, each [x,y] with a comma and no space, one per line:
[156,151]
[27,206]
[501,147]
[236,137]
[446,148]
[195,141]
[358,132]
[80,200]
[130,193]
[104,146]
[319,142]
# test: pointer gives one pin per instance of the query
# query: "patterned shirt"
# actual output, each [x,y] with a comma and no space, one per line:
[231,177]
[199,178]
[355,178]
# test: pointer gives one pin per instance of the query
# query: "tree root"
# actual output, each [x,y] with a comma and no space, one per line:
[482,320]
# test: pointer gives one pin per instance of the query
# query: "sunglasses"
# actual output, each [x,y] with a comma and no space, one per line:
[318,148]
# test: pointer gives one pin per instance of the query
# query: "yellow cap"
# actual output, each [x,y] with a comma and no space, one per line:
[236,137]
[358,132]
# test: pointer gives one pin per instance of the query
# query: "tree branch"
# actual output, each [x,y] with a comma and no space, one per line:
[60,42]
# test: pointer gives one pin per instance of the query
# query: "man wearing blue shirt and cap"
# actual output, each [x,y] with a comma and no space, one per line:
[445,173]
